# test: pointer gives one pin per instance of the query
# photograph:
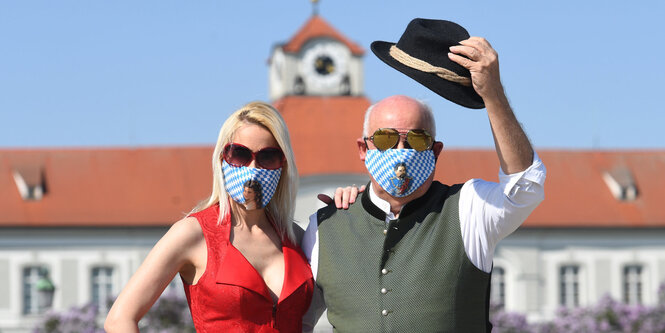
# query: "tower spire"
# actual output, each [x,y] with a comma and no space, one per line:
[315,7]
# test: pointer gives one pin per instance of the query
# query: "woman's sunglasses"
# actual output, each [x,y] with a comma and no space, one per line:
[238,155]
[386,138]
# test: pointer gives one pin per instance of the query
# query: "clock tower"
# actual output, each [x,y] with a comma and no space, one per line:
[317,61]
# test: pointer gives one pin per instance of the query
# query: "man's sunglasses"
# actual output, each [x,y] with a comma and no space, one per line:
[386,138]
[238,155]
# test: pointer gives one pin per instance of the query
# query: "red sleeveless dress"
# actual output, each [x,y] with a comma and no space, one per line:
[231,296]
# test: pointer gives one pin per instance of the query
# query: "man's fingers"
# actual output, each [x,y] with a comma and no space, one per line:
[464,62]
[480,42]
[467,51]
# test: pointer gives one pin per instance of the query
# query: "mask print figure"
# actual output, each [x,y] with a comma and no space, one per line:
[253,194]
[401,181]
[251,187]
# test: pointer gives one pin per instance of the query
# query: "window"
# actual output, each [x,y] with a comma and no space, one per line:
[569,277]
[632,284]
[102,286]
[498,287]
[31,277]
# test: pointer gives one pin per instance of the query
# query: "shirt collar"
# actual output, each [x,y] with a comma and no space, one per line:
[380,203]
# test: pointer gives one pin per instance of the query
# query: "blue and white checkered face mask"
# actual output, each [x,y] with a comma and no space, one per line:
[400,171]
[250,187]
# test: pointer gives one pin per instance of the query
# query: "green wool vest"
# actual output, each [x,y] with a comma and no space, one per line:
[411,275]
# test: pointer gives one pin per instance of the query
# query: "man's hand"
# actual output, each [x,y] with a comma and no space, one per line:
[512,145]
[343,196]
[483,63]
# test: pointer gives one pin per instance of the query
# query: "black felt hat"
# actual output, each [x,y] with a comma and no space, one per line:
[422,54]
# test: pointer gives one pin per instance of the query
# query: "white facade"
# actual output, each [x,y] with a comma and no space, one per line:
[70,255]
[532,260]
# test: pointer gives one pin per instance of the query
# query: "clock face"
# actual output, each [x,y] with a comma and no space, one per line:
[324,66]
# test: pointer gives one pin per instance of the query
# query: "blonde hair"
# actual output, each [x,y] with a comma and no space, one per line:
[282,205]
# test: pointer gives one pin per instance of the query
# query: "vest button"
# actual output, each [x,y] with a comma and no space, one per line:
[384,271]
[384,312]
[384,291]
[385,231]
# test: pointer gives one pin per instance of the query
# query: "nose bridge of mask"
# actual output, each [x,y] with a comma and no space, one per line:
[400,171]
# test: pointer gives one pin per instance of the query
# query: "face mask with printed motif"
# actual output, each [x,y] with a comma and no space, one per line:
[250,187]
[400,171]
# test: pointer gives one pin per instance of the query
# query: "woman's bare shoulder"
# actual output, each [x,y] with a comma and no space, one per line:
[186,231]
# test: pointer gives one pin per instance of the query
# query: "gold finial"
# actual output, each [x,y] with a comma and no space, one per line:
[315,7]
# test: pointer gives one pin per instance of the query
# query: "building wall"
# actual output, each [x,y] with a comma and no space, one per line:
[70,255]
[532,259]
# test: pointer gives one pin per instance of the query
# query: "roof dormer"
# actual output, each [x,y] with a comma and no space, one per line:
[30,182]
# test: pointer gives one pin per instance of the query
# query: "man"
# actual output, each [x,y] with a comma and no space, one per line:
[401,181]
[420,261]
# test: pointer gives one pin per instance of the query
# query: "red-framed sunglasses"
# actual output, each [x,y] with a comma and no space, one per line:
[238,155]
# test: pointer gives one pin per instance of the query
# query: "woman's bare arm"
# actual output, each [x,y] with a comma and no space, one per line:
[176,251]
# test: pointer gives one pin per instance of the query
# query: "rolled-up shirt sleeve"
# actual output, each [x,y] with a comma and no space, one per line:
[491,211]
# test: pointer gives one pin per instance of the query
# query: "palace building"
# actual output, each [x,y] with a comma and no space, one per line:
[84,219]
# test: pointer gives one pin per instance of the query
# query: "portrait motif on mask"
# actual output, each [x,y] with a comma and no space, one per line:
[253,194]
[401,182]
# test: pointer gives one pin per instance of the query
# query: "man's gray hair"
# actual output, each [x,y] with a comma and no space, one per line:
[429,118]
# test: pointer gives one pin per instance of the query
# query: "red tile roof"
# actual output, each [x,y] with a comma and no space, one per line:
[106,187]
[317,27]
[577,196]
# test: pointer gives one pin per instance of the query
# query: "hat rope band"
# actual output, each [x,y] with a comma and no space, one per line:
[424,66]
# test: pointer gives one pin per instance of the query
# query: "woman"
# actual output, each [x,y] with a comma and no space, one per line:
[253,194]
[241,268]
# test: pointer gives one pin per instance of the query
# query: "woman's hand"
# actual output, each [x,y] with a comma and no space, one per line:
[343,196]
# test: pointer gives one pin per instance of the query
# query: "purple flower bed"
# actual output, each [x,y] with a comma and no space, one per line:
[169,314]
[607,316]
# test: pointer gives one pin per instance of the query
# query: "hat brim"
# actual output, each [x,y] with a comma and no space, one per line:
[454,92]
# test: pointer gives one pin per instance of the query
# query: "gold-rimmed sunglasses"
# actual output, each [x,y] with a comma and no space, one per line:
[387,138]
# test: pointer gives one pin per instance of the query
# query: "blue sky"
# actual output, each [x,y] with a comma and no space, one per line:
[580,75]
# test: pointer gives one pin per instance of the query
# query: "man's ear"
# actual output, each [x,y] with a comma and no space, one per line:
[362,149]
[437,147]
